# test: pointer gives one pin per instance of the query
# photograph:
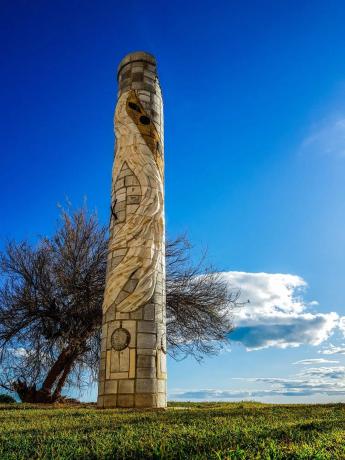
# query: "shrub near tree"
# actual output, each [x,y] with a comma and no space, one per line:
[6,399]
[51,308]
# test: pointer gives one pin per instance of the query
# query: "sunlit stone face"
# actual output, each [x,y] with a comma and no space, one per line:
[133,361]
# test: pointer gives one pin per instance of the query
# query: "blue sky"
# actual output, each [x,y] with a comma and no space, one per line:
[254,97]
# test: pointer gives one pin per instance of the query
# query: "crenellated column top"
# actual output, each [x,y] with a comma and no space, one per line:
[136,56]
[137,71]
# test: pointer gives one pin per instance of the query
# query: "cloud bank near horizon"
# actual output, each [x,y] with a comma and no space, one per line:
[327,381]
[277,315]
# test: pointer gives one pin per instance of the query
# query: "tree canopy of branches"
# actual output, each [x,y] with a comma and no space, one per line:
[51,307]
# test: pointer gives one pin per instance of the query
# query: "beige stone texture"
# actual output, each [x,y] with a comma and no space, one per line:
[161,385]
[161,400]
[109,401]
[146,373]
[124,360]
[147,326]
[146,340]
[125,400]
[145,400]
[149,312]
[146,386]
[134,297]
[110,386]
[126,386]
[146,361]
[132,365]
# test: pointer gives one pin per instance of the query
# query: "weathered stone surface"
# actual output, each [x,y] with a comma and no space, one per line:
[126,386]
[146,373]
[145,400]
[134,298]
[146,340]
[110,386]
[146,386]
[125,400]
[147,326]
[146,361]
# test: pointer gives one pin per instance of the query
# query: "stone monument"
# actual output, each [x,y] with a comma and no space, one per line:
[133,351]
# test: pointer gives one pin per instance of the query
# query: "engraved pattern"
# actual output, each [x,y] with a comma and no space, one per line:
[120,339]
[140,224]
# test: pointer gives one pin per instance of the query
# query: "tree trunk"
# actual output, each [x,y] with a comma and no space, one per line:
[56,370]
[30,394]
[62,380]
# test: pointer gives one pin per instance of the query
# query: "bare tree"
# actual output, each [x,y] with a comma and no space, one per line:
[199,304]
[51,307]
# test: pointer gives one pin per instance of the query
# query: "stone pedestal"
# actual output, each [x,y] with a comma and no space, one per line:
[133,352]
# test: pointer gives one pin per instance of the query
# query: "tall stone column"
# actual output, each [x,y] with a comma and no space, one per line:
[133,354]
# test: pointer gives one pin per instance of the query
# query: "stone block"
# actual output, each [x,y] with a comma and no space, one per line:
[163,362]
[120,183]
[101,388]
[124,360]
[110,387]
[110,314]
[146,386]
[147,373]
[161,400]
[147,326]
[114,361]
[130,285]
[161,385]
[124,400]
[145,400]
[146,340]
[146,351]
[146,361]
[138,314]
[149,312]
[132,363]
[101,375]
[121,296]
[126,386]
[118,375]
[120,315]
[100,400]
[109,401]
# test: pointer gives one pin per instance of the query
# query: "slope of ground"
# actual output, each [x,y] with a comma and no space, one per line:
[198,431]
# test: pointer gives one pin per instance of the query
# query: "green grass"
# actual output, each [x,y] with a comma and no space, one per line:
[199,431]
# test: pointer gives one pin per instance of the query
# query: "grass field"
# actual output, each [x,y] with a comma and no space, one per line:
[185,430]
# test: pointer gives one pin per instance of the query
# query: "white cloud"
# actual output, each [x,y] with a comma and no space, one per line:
[327,381]
[319,373]
[333,350]
[307,362]
[277,315]
[327,137]
[342,324]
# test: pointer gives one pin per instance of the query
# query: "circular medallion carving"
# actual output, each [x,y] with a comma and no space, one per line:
[164,343]
[120,339]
